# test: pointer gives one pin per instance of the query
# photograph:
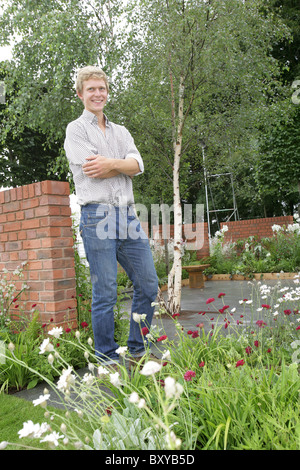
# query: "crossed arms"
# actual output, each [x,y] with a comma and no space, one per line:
[97,166]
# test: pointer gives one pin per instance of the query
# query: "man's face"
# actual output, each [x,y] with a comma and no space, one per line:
[94,95]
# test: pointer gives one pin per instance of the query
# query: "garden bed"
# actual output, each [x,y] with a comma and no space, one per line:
[256,276]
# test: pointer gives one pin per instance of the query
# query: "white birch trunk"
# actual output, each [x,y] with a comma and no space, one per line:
[175,275]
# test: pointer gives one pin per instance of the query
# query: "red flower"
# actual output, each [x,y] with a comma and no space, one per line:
[261,323]
[221,295]
[162,338]
[188,376]
[248,350]
[239,363]
[202,364]
[298,328]
[195,334]
[68,330]
[210,300]
[175,315]
[189,332]
[145,331]
[34,305]
[266,306]
[287,312]
[221,310]
[256,344]
[200,325]
[84,324]
[269,350]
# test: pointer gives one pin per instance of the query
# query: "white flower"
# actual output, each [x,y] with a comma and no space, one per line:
[134,398]
[141,403]
[3,445]
[102,371]
[11,347]
[88,379]
[151,368]
[173,441]
[122,350]
[46,346]
[66,380]
[56,332]
[42,400]
[166,356]
[276,228]
[53,438]
[137,317]
[90,341]
[33,430]
[50,359]
[115,379]
[172,388]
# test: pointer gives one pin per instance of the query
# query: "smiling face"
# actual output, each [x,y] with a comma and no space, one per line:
[94,95]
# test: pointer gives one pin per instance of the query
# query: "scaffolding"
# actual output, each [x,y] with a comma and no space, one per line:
[233,210]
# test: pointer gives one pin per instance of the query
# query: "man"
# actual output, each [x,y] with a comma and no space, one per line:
[103,159]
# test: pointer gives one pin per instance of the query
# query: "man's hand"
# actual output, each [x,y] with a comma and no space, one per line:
[98,166]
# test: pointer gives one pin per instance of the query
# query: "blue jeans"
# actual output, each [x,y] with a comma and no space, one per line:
[111,235]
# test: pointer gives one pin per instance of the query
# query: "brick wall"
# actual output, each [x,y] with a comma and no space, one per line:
[36,228]
[261,228]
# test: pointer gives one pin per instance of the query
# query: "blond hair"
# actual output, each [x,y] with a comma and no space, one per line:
[88,72]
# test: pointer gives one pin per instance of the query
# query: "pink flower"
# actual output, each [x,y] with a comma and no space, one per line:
[200,325]
[188,376]
[210,300]
[239,363]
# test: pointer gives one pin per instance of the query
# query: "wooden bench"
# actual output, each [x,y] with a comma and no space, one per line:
[196,279]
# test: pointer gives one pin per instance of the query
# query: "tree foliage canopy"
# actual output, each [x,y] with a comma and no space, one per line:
[236,59]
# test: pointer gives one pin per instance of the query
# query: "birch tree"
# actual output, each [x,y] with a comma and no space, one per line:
[206,65]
